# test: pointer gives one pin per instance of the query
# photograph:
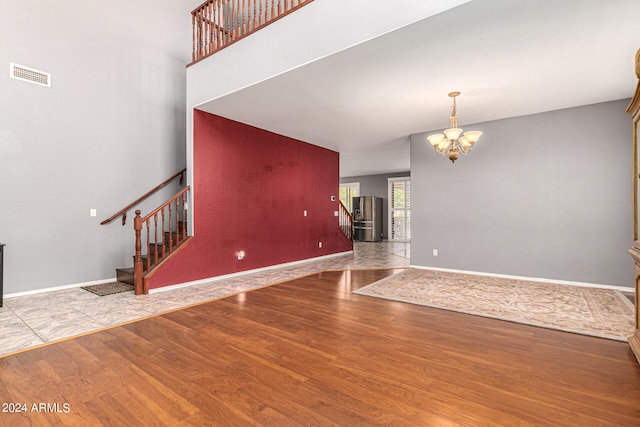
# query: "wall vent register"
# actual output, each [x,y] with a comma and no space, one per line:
[30,75]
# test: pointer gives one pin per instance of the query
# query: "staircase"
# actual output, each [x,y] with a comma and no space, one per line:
[158,235]
[155,254]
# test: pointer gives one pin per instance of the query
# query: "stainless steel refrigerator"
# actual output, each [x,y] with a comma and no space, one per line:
[367,218]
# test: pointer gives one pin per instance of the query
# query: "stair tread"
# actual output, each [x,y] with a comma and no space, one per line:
[126,274]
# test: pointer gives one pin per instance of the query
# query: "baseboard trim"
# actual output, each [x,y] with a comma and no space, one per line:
[58,288]
[167,288]
[244,273]
[531,279]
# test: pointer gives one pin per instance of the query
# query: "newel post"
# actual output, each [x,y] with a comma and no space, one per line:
[137,263]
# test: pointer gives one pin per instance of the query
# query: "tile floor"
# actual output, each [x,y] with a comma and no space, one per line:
[34,320]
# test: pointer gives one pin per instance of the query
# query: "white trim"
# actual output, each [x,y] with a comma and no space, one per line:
[349,185]
[59,288]
[346,184]
[390,207]
[167,288]
[531,279]
[244,273]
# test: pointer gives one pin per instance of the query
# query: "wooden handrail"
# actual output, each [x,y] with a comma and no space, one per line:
[124,211]
[219,23]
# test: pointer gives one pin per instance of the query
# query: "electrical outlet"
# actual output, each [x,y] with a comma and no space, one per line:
[304,213]
[336,213]
[93,212]
[319,244]
[435,252]
[240,255]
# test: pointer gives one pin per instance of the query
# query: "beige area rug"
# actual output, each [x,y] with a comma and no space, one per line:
[598,312]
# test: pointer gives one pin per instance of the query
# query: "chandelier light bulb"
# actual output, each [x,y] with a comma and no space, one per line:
[472,136]
[435,139]
[453,133]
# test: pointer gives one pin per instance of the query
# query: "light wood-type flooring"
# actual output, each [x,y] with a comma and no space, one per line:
[309,352]
[34,319]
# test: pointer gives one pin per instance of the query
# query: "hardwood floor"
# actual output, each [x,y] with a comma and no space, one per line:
[308,352]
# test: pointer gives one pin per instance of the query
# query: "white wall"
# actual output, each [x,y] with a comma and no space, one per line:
[317,30]
[546,195]
[111,127]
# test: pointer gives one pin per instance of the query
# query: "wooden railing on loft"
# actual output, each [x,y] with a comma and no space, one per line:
[219,23]
[345,220]
[126,209]
[161,232]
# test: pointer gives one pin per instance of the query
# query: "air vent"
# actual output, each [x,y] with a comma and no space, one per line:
[30,75]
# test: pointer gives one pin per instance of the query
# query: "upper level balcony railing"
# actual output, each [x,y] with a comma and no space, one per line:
[219,23]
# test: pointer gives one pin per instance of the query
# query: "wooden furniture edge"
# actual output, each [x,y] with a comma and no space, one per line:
[634,111]
[634,343]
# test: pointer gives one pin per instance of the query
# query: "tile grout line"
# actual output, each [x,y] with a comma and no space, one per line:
[27,325]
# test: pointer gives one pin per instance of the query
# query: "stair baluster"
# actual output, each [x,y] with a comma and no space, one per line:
[137,263]
[345,221]
[217,24]
[159,242]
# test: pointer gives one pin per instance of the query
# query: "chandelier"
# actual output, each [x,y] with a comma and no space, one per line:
[450,143]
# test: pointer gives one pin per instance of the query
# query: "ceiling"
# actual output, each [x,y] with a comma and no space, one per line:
[507,57]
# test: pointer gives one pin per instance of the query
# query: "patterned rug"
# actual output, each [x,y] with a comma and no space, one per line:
[108,288]
[598,312]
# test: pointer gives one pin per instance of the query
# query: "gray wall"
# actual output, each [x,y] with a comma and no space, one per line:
[546,195]
[111,127]
[376,185]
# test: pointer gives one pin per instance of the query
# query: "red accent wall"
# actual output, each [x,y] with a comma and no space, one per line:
[250,189]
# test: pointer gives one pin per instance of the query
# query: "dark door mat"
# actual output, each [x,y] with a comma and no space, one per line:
[108,288]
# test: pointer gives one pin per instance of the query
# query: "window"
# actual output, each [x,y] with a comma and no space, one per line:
[347,192]
[400,209]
